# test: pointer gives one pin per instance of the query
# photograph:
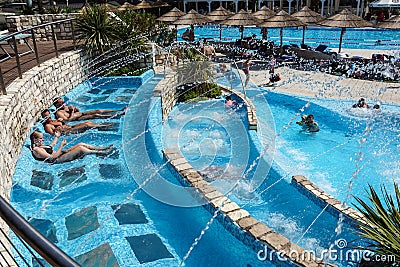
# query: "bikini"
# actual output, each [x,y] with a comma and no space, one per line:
[48,150]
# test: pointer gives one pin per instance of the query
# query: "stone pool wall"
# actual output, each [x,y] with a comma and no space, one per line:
[323,199]
[239,222]
[166,88]
[26,98]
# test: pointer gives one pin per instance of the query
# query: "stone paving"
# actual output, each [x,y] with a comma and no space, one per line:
[234,213]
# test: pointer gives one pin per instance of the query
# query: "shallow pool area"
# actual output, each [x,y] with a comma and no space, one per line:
[129,208]
[353,38]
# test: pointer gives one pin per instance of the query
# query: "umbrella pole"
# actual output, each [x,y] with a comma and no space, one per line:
[341,39]
[304,33]
[220,32]
[281,32]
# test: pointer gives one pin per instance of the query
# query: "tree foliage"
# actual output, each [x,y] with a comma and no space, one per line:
[382,222]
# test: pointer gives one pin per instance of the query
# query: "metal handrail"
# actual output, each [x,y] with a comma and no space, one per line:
[13,35]
[50,252]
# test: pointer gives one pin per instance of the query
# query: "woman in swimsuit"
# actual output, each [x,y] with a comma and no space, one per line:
[42,152]
[50,125]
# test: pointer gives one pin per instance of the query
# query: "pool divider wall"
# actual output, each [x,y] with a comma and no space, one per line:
[321,198]
[235,219]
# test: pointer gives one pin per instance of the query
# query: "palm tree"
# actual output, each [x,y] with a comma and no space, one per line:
[96,28]
[382,222]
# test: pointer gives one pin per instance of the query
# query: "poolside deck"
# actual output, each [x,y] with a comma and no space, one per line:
[46,51]
[328,86]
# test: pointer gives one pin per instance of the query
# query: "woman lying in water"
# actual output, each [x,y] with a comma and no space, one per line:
[51,126]
[42,152]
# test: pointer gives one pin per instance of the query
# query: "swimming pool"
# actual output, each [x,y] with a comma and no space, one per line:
[92,209]
[353,38]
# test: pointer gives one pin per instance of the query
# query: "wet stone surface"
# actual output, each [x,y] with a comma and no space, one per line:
[74,175]
[109,91]
[129,214]
[42,180]
[123,99]
[111,171]
[148,248]
[102,256]
[82,222]
[46,228]
[83,99]
[94,91]
[99,99]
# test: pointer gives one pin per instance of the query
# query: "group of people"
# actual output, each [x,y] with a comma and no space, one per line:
[58,126]
[363,104]
[308,123]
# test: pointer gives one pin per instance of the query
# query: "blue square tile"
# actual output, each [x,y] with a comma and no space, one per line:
[102,256]
[129,214]
[41,264]
[42,180]
[46,228]
[148,248]
[82,222]
[111,171]
[74,175]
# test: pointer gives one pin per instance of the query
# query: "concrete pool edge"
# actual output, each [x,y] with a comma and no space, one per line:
[320,197]
[252,232]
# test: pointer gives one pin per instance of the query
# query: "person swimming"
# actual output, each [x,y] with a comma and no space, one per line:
[308,124]
[229,102]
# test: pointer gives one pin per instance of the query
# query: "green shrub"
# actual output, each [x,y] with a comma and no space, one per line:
[189,92]
[129,70]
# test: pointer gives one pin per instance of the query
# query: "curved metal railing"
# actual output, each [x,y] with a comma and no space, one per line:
[29,33]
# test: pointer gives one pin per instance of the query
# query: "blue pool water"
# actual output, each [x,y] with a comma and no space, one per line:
[353,38]
[91,207]
[107,208]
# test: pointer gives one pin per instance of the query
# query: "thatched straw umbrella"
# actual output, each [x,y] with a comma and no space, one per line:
[242,18]
[263,14]
[192,18]
[144,5]
[126,6]
[282,20]
[343,20]
[218,15]
[307,16]
[171,16]
[392,23]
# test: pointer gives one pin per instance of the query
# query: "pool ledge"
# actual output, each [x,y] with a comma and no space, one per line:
[260,234]
[166,89]
[319,196]
[251,110]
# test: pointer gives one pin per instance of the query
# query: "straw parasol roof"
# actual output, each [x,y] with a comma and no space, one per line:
[264,13]
[219,14]
[282,20]
[192,18]
[143,5]
[344,19]
[172,15]
[242,18]
[126,6]
[308,16]
[392,23]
